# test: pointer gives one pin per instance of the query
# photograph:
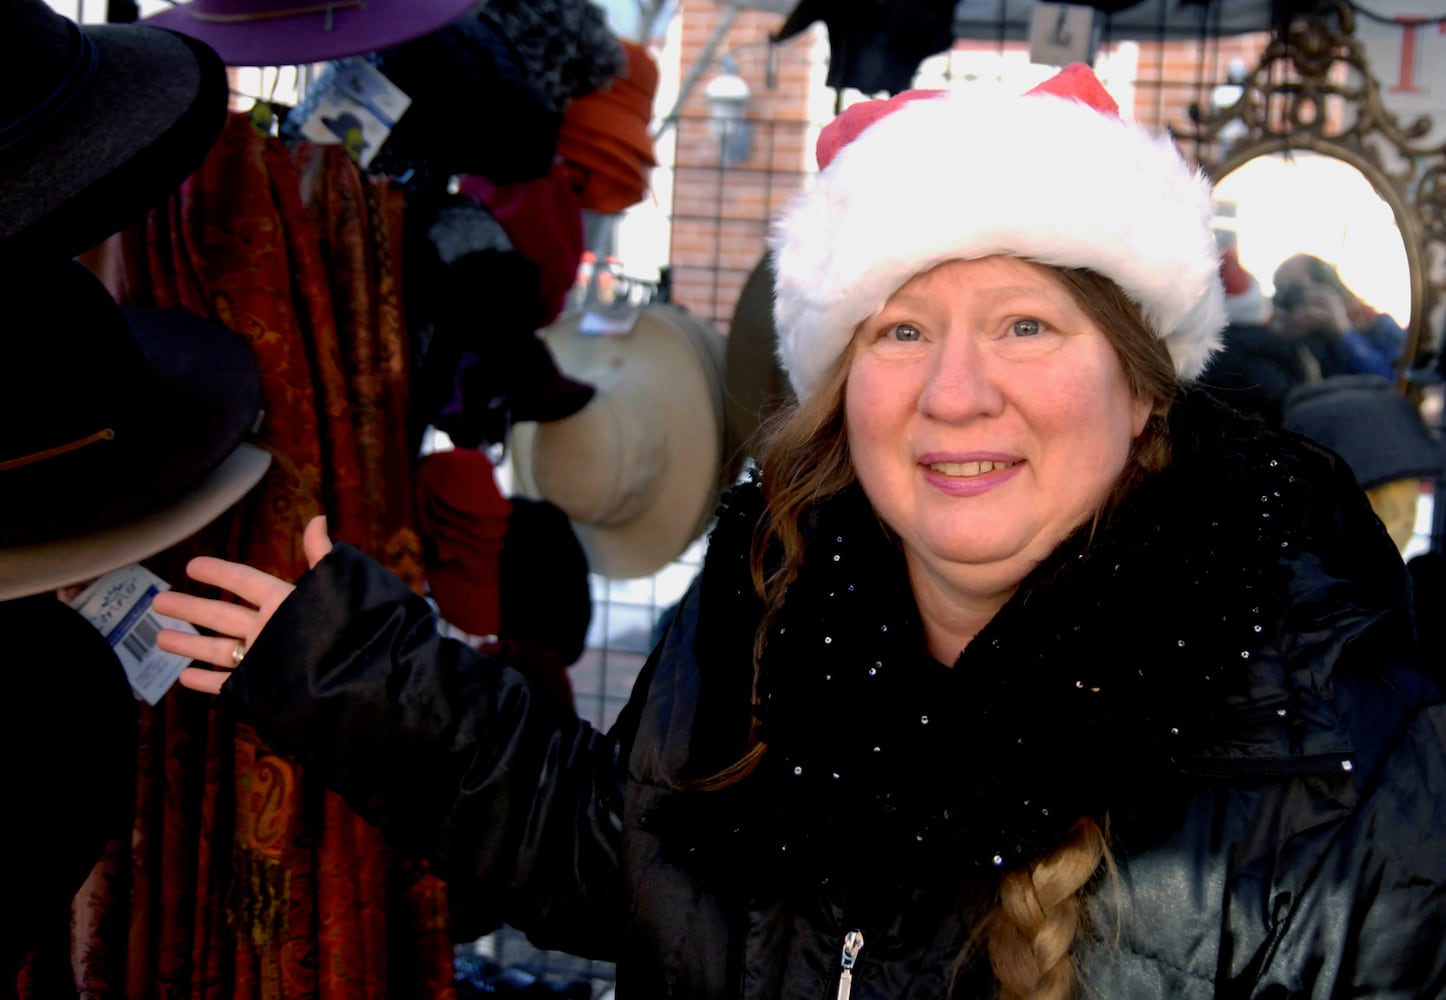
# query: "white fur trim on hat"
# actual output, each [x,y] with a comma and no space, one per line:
[966,175]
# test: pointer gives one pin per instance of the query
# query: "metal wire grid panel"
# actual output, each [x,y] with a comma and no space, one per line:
[627,616]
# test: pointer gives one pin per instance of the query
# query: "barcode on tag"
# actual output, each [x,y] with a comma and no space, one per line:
[119,606]
[139,640]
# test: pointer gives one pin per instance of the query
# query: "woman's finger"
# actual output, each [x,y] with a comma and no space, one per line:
[222,617]
[315,541]
[248,583]
[219,651]
[206,681]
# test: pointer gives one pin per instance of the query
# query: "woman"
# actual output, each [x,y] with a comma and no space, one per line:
[1018,671]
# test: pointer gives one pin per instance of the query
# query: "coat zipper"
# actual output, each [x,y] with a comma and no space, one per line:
[853,944]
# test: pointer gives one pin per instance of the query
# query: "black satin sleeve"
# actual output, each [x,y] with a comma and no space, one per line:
[449,752]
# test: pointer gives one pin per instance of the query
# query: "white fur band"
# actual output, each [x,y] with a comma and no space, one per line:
[969,175]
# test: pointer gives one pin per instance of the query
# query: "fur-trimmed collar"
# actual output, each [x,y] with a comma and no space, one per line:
[1196,631]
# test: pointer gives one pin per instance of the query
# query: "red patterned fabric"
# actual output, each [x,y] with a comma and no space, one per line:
[242,880]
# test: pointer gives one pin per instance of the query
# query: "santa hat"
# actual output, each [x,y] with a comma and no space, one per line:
[1055,176]
[1245,303]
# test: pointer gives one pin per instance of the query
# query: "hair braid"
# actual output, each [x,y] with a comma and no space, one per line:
[1034,924]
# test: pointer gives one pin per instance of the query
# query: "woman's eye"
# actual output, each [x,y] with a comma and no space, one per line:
[1025,327]
[905,332]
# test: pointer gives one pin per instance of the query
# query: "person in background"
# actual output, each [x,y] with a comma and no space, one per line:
[1020,667]
[1345,335]
[1256,366]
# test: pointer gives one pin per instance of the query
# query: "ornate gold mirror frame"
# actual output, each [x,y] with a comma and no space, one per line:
[1313,90]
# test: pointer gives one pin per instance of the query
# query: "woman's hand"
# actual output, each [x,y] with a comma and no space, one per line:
[236,625]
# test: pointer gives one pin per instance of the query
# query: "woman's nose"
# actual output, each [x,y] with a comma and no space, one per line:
[961,382]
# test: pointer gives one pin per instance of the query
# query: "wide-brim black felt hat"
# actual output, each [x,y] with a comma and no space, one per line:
[98,123]
[109,413]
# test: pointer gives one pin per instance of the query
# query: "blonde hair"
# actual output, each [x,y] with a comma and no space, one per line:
[1030,931]
[1395,504]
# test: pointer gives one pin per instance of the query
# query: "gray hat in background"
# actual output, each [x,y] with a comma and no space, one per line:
[754,385]
[1362,418]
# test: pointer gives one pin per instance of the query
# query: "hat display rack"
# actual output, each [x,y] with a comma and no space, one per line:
[258,288]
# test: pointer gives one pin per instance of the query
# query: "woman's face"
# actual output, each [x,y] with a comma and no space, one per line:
[988,417]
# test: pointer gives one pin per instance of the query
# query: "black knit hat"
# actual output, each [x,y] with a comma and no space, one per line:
[506,132]
[97,125]
[546,594]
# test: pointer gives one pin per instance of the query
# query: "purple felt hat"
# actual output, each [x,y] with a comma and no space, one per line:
[292,32]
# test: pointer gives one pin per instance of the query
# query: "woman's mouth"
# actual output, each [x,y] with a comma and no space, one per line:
[968,470]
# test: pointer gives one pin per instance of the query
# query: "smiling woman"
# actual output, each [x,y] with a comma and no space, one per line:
[1015,639]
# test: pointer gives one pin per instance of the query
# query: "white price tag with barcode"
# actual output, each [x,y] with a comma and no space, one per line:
[353,104]
[119,605]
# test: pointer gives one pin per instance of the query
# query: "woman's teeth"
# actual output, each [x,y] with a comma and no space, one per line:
[968,469]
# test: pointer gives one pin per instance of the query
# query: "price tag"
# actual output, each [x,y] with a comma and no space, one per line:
[1062,33]
[119,606]
[357,106]
[611,321]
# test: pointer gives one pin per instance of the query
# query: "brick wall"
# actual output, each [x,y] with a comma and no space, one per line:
[720,212]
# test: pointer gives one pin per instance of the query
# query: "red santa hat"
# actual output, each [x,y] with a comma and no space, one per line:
[1244,301]
[1054,175]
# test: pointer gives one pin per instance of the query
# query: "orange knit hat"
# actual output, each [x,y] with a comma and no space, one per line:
[605,137]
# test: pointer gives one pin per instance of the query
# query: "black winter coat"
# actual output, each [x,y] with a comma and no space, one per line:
[1223,669]
[1255,369]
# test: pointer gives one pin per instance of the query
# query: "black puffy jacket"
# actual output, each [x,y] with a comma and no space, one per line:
[1223,670]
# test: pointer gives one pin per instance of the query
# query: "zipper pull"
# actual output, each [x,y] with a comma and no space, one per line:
[853,944]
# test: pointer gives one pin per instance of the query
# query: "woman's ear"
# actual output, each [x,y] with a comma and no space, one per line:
[1143,408]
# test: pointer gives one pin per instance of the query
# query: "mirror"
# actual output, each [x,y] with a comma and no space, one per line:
[1276,206]
[1309,160]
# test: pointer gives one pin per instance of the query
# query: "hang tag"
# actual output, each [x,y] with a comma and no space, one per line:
[119,606]
[610,306]
[612,321]
[356,106]
[1061,33]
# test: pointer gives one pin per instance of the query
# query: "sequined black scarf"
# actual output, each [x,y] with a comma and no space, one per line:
[1119,662]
